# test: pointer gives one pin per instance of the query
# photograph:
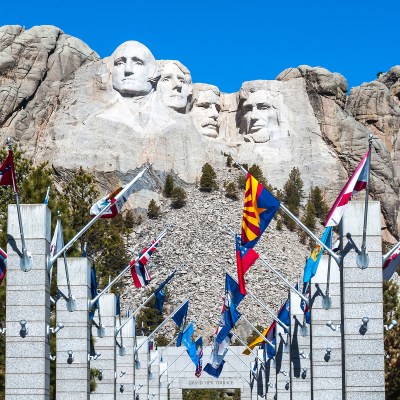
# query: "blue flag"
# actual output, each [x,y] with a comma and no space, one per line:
[179,318]
[214,371]
[188,342]
[303,304]
[160,295]
[216,364]
[3,264]
[312,263]
[230,314]
[93,291]
[284,314]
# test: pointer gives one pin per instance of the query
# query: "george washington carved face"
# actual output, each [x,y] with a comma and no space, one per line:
[134,69]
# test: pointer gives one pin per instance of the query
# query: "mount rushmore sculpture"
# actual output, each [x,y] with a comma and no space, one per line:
[65,105]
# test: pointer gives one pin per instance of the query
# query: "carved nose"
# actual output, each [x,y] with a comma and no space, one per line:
[213,112]
[128,68]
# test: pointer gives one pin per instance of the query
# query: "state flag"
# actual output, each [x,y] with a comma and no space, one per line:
[245,258]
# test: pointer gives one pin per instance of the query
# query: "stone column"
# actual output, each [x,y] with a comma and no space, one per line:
[141,372]
[163,381]
[300,382]
[73,379]
[125,364]
[326,366]
[175,393]
[363,356]
[28,299]
[154,374]
[282,358]
[106,347]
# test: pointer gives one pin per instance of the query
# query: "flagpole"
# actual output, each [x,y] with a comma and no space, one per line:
[327,301]
[262,305]
[244,344]
[237,370]
[26,259]
[265,262]
[173,362]
[165,348]
[390,252]
[362,258]
[300,224]
[50,261]
[117,329]
[257,331]
[118,277]
[162,324]
[170,383]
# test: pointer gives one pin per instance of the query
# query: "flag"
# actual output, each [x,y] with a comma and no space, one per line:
[389,266]
[57,242]
[188,342]
[303,304]
[180,319]
[93,291]
[3,264]
[256,342]
[245,258]
[312,263]
[117,198]
[355,184]
[118,305]
[160,295]
[284,314]
[199,356]
[259,208]
[139,272]
[230,314]
[180,316]
[216,363]
[46,199]
[84,254]
[7,173]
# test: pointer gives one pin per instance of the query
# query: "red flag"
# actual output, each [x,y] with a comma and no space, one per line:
[7,173]
[245,258]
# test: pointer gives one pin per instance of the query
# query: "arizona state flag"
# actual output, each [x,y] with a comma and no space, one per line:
[259,208]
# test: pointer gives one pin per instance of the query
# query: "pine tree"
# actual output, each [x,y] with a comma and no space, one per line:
[153,210]
[231,191]
[321,208]
[208,179]
[178,197]
[292,196]
[168,186]
[242,178]
[229,160]
[309,219]
[256,171]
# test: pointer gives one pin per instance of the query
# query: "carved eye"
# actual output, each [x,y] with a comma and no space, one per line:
[119,62]
[264,107]
[138,62]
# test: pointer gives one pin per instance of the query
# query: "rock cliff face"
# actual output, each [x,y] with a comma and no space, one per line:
[65,105]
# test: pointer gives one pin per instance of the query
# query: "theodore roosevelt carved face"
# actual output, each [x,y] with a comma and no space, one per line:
[205,108]
[174,85]
[134,70]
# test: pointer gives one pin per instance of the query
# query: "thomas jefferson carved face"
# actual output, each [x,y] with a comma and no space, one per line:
[133,70]
[174,86]
[259,111]
[205,112]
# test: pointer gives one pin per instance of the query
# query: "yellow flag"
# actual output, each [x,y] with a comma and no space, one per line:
[256,342]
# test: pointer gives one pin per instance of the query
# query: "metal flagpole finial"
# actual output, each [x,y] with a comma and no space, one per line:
[9,143]
[58,214]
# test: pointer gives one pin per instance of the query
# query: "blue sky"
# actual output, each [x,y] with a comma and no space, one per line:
[227,42]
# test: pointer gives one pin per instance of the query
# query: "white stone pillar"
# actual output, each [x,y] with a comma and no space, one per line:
[141,372]
[154,375]
[105,389]
[125,363]
[300,382]
[282,358]
[270,379]
[73,379]
[326,369]
[163,380]
[362,297]
[28,299]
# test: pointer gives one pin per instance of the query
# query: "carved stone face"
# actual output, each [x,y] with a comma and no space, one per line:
[134,66]
[258,112]
[205,113]
[173,87]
